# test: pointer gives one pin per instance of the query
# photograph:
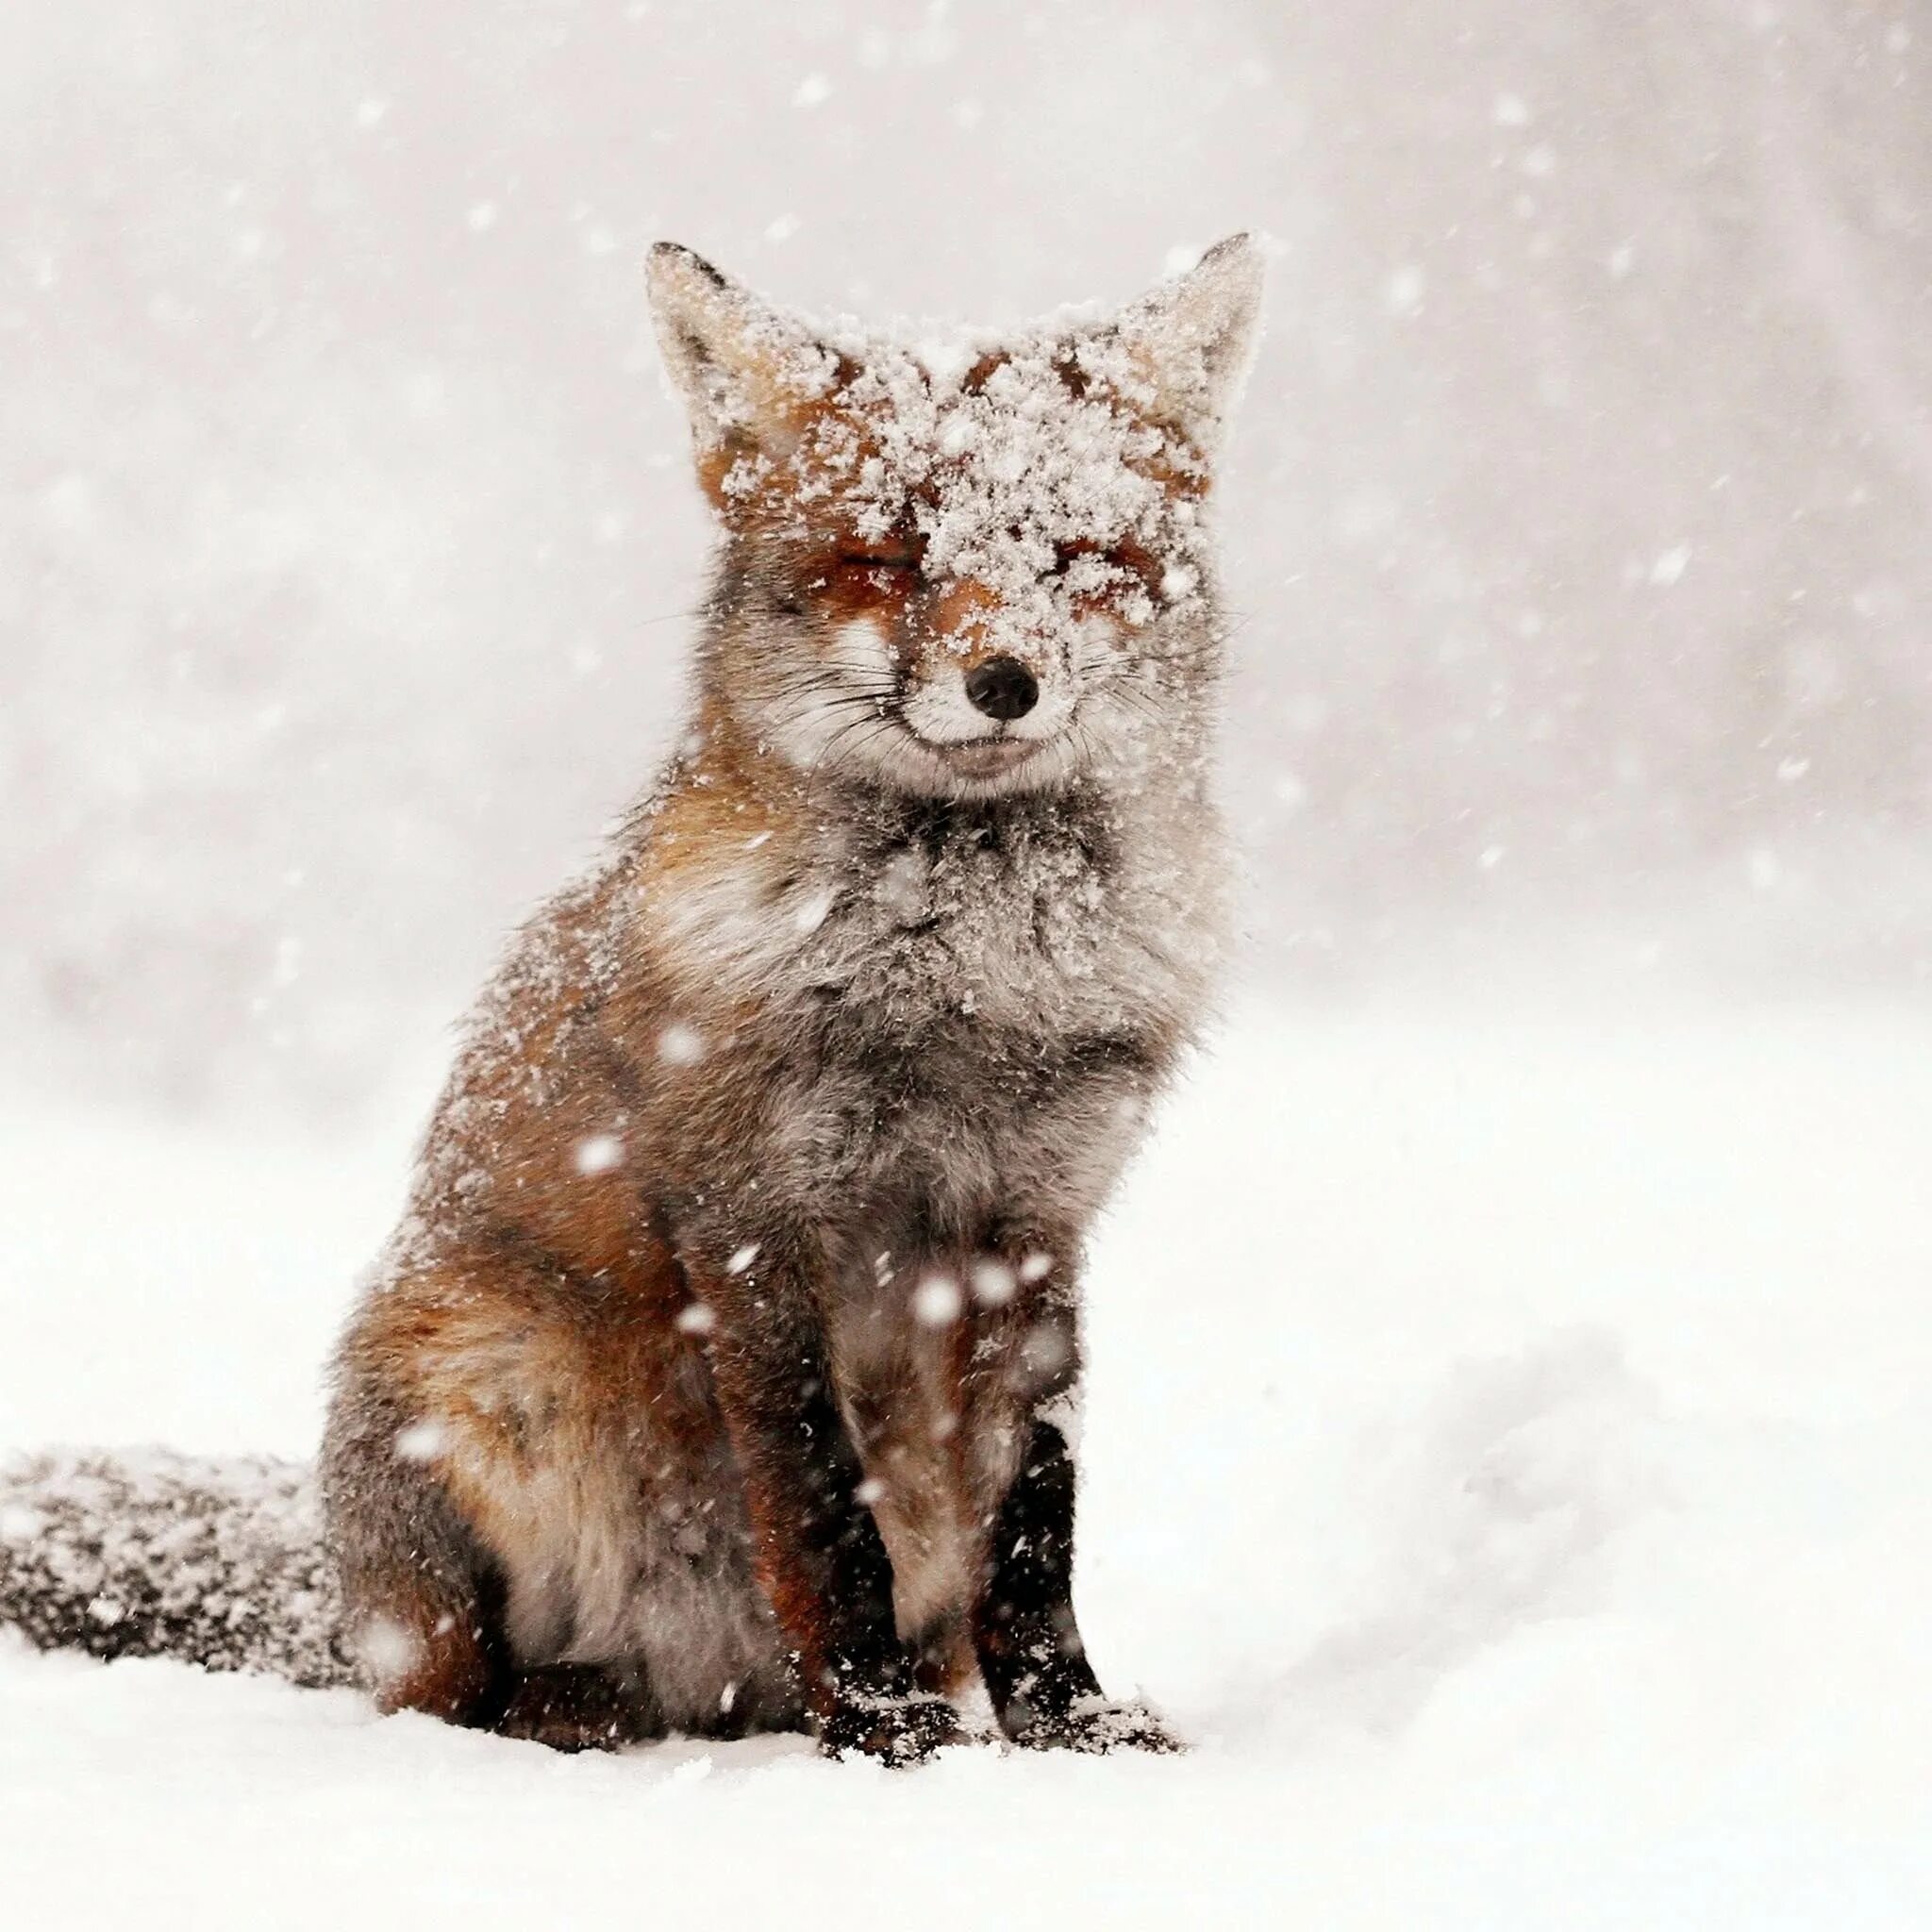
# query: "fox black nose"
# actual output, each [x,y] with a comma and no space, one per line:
[1003,688]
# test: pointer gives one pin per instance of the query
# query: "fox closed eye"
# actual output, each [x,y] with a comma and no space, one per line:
[1090,570]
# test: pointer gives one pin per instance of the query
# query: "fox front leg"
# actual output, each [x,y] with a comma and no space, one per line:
[1030,1652]
[821,1558]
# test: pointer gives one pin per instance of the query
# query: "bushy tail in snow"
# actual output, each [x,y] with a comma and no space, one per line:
[152,1554]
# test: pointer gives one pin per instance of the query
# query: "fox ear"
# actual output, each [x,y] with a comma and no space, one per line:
[1194,338]
[741,367]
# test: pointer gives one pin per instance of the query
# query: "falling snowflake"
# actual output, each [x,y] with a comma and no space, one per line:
[599,1152]
[421,1441]
[937,1301]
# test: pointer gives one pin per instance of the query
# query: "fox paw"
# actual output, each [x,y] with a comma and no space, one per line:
[895,1730]
[1096,1726]
[569,1708]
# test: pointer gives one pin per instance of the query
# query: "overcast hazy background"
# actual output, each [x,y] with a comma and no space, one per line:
[1578,519]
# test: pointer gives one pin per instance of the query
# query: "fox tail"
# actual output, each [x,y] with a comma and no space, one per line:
[152,1554]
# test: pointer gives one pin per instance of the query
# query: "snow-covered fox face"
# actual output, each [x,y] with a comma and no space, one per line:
[965,566]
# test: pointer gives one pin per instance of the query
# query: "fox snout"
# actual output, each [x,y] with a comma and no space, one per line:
[991,695]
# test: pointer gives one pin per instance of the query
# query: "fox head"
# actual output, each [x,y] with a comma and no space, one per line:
[966,566]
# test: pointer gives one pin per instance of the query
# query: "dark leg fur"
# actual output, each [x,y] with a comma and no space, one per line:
[1030,1653]
[577,1708]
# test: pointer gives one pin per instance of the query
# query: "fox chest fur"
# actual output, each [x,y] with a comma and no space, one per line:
[940,1007]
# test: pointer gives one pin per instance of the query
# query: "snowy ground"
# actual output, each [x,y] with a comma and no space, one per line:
[1509,1455]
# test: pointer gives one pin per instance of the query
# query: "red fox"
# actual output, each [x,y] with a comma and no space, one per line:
[720,1376]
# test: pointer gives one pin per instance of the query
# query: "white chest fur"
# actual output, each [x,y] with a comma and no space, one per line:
[1031,921]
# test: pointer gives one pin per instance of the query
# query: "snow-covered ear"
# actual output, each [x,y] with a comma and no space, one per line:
[741,367]
[1193,336]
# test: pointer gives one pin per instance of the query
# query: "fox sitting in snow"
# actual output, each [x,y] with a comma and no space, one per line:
[719,1377]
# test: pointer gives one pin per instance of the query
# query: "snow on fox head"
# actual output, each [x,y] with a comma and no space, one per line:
[968,564]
